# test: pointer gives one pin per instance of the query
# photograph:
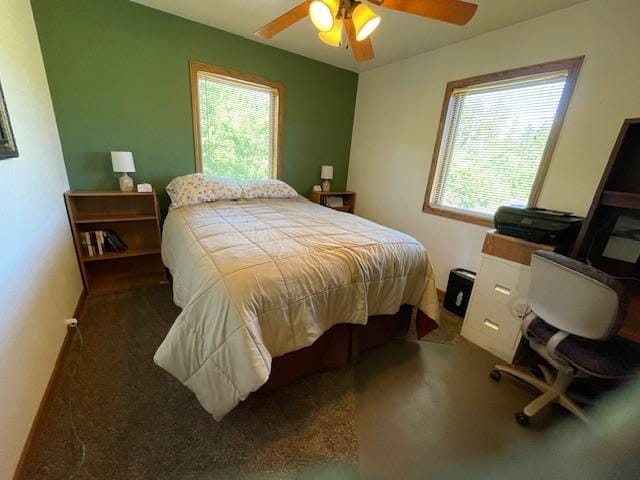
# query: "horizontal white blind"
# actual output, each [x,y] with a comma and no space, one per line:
[494,139]
[238,127]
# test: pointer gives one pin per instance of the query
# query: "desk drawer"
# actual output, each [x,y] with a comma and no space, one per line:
[503,282]
[497,326]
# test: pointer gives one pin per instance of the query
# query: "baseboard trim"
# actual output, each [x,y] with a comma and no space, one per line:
[35,425]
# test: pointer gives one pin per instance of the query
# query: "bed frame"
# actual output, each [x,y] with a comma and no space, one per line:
[338,347]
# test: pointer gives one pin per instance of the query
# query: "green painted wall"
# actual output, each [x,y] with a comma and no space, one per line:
[119,79]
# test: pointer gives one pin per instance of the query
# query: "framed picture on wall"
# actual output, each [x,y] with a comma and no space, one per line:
[8,147]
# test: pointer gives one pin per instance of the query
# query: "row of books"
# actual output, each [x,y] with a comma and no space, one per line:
[98,242]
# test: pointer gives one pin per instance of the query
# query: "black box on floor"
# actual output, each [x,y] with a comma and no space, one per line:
[456,299]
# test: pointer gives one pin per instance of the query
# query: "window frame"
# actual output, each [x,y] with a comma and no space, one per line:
[570,65]
[196,67]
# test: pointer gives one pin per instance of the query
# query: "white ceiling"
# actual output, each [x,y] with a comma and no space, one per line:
[399,35]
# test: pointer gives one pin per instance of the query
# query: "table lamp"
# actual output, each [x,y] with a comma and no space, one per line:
[123,162]
[326,174]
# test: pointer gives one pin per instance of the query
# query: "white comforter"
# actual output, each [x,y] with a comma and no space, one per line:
[260,278]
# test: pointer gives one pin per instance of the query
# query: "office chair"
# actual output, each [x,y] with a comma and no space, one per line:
[575,314]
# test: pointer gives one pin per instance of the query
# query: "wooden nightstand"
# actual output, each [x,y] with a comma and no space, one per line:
[134,217]
[348,200]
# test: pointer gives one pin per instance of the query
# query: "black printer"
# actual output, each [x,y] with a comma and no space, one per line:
[538,225]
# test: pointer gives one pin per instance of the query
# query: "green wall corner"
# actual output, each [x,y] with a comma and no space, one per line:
[119,79]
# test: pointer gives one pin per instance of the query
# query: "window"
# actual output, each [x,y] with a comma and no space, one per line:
[237,122]
[496,136]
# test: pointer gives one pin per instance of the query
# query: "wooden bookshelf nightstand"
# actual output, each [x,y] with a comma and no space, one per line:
[348,200]
[134,218]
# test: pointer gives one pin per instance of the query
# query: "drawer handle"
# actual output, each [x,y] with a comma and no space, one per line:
[491,325]
[503,290]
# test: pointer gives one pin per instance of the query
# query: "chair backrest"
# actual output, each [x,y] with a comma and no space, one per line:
[575,297]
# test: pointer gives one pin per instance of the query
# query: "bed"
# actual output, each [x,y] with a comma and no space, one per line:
[275,283]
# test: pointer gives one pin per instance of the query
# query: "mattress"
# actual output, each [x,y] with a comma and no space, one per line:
[257,279]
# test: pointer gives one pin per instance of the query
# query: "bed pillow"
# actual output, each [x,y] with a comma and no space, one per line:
[266,189]
[224,188]
[198,188]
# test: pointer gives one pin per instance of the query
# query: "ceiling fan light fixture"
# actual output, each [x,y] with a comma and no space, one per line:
[334,36]
[323,13]
[365,21]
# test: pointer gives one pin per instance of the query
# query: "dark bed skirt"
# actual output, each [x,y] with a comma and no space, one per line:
[336,348]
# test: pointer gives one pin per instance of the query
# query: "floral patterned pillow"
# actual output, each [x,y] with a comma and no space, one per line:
[266,189]
[198,188]
[224,188]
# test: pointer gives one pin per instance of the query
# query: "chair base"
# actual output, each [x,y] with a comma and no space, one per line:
[553,391]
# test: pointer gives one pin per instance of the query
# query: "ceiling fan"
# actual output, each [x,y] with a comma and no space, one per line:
[330,17]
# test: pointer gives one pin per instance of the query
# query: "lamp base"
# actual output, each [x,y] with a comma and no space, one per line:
[126,183]
[326,186]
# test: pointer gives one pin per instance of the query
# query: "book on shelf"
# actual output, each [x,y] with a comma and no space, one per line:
[86,244]
[334,202]
[99,242]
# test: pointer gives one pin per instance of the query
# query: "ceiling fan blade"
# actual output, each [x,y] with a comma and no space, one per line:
[294,15]
[362,51]
[451,11]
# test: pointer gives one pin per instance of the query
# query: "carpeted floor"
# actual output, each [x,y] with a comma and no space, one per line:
[400,412]
[448,332]
[138,422]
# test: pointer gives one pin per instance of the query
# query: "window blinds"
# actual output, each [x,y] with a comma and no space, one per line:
[495,137]
[238,127]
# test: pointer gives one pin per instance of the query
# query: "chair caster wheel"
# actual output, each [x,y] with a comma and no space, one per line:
[522,419]
[495,375]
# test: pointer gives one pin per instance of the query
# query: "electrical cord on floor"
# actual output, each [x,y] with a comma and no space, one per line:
[80,468]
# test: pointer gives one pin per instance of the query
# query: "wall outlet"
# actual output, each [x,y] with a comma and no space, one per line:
[71,322]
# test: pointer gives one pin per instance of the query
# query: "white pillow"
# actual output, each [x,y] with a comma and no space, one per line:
[198,188]
[266,189]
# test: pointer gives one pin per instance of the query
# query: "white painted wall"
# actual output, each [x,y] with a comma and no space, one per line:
[39,279]
[398,110]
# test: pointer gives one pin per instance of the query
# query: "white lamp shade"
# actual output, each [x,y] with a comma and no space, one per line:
[122,162]
[326,173]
